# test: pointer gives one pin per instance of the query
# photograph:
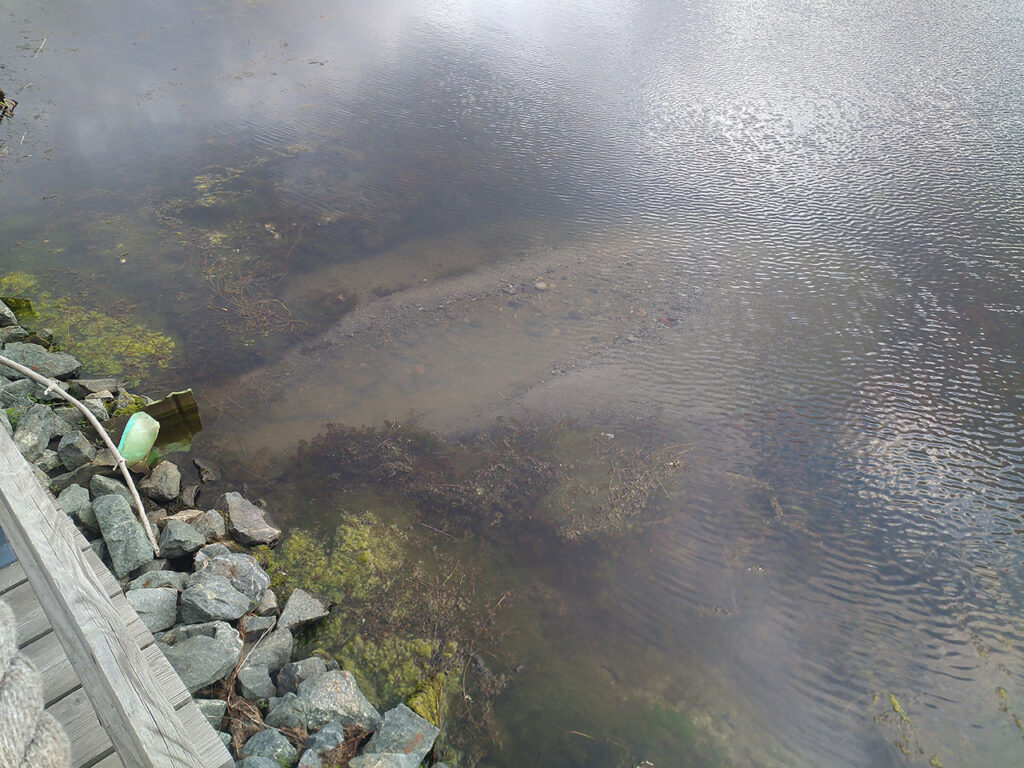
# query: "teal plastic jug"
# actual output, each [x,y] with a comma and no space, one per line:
[139,435]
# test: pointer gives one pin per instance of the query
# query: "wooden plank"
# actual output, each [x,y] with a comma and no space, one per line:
[207,742]
[88,739]
[11,576]
[111,761]
[166,677]
[28,614]
[47,656]
[138,718]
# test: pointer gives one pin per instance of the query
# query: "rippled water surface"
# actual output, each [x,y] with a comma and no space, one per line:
[787,235]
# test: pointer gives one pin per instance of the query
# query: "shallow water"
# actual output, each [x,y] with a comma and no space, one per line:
[789,236]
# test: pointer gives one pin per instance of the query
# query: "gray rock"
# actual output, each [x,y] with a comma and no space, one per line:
[44,394]
[96,408]
[240,569]
[84,387]
[204,655]
[310,759]
[5,422]
[12,333]
[403,732]
[268,604]
[254,682]
[35,429]
[207,553]
[273,651]
[17,393]
[190,495]
[213,710]
[156,564]
[52,365]
[75,449]
[103,486]
[7,316]
[48,462]
[272,744]
[127,544]
[302,609]
[163,483]
[157,608]
[247,522]
[327,738]
[225,738]
[179,539]
[294,674]
[211,599]
[335,696]
[288,711]
[99,548]
[255,627]
[257,761]
[157,518]
[211,525]
[384,761]
[155,579]
[74,501]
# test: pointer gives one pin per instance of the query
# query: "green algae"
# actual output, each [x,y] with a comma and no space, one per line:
[104,342]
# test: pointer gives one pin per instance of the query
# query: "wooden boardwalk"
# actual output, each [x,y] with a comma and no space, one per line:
[132,709]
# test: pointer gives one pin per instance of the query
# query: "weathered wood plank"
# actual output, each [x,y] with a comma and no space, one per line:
[207,743]
[11,576]
[112,761]
[48,657]
[138,718]
[166,677]
[87,737]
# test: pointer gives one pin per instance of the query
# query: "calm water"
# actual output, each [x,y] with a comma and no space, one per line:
[789,235]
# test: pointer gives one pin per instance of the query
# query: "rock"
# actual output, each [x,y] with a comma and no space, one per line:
[102,486]
[254,682]
[203,657]
[272,744]
[75,449]
[255,627]
[288,711]
[273,651]
[257,761]
[213,710]
[211,525]
[268,604]
[12,333]
[96,408]
[207,553]
[247,522]
[540,285]
[302,609]
[327,738]
[384,761]
[403,732]
[48,461]
[126,541]
[156,564]
[294,674]
[225,739]
[179,539]
[163,483]
[157,518]
[240,569]
[20,392]
[154,579]
[35,429]
[190,495]
[335,696]
[7,316]
[52,365]
[44,394]
[207,471]
[157,608]
[74,500]
[211,599]
[99,548]
[82,388]
[310,759]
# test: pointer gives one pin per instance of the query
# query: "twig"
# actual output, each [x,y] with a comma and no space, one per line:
[52,386]
[39,48]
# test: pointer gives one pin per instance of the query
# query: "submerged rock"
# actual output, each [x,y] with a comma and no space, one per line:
[247,522]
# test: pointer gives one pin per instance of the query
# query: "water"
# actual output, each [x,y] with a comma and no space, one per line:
[787,235]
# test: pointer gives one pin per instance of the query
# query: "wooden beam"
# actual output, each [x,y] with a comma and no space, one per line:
[137,716]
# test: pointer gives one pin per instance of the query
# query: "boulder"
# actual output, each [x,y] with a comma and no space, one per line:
[273,651]
[126,541]
[248,523]
[294,674]
[213,710]
[179,539]
[162,484]
[102,486]
[163,578]
[48,461]
[12,333]
[207,553]
[242,570]
[157,608]
[254,682]
[302,609]
[403,732]
[99,548]
[203,655]
[212,599]
[35,429]
[211,525]
[255,627]
[156,564]
[272,744]
[75,449]
[327,738]
[288,711]
[310,759]
[335,696]
[84,387]
[74,500]
[52,365]
[17,393]
[384,761]
[7,316]
[268,604]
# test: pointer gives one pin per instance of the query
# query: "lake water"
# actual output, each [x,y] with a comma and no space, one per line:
[788,236]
